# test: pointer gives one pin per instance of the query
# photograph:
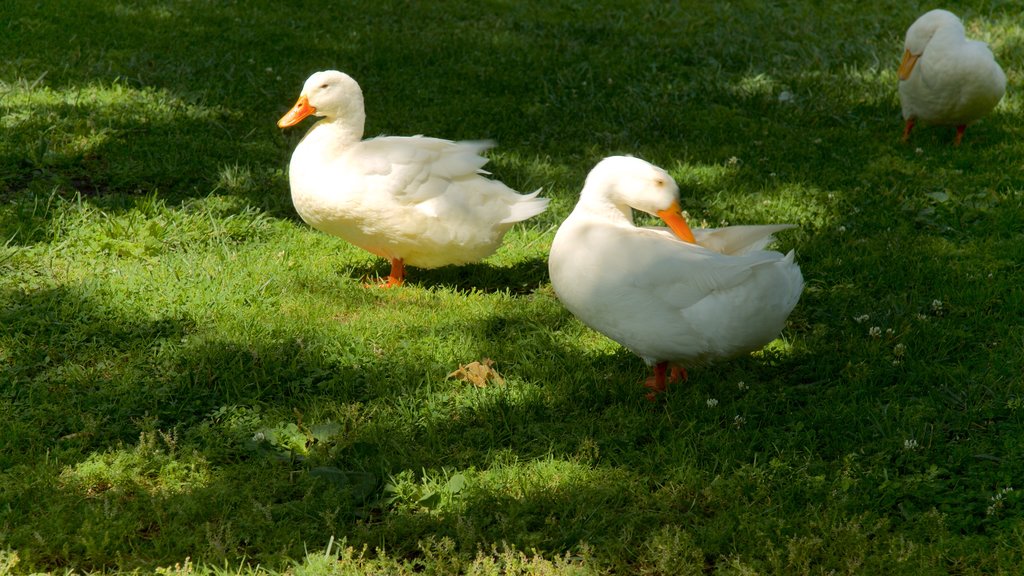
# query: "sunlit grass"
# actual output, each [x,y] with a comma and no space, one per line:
[192,381]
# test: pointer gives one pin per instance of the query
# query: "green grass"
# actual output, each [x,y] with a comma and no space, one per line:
[193,381]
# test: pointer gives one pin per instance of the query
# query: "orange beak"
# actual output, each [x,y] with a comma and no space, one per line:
[297,113]
[907,64]
[673,216]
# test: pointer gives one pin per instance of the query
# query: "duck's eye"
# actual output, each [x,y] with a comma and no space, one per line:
[324,86]
[659,182]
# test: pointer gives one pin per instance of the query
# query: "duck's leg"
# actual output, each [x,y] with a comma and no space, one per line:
[678,374]
[658,383]
[959,134]
[397,274]
[907,129]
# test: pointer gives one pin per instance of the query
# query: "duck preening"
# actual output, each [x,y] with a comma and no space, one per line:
[945,78]
[674,296]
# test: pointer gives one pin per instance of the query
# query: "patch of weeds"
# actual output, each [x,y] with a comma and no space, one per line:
[433,491]
[152,467]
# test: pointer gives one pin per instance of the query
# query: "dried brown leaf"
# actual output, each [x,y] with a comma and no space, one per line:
[478,373]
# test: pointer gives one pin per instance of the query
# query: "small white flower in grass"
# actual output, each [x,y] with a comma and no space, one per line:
[841,229]
[732,161]
[888,332]
[875,332]
[712,402]
[922,317]
[919,151]
[937,306]
[998,500]
[742,385]
[738,421]
[898,351]
[861,319]
[910,444]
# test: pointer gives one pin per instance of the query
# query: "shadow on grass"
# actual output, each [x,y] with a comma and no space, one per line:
[522,277]
[72,368]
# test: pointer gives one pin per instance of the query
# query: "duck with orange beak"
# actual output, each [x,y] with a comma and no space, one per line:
[674,296]
[414,200]
[944,78]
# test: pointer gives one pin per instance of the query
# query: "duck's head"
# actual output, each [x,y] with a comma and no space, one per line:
[329,93]
[632,182]
[920,34]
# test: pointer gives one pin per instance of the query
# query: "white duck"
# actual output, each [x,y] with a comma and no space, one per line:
[414,200]
[944,77]
[670,298]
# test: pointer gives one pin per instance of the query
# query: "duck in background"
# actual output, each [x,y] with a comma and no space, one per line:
[945,78]
[673,296]
[414,200]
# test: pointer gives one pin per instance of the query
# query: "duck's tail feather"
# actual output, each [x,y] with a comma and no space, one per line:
[526,206]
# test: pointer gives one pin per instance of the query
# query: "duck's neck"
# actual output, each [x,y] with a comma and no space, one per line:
[331,135]
[601,205]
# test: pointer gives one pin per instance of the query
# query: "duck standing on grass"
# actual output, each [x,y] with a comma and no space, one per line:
[672,296]
[413,200]
[945,78]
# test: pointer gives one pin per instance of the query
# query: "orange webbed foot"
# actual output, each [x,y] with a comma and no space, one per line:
[397,275]
[658,382]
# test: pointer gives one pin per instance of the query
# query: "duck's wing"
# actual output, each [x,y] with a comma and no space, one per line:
[984,74]
[732,240]
[681,274]
[414,169]
[695,280]
[443,181]
[738,240]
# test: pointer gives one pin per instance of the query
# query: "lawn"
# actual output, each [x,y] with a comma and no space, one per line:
[193,381]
